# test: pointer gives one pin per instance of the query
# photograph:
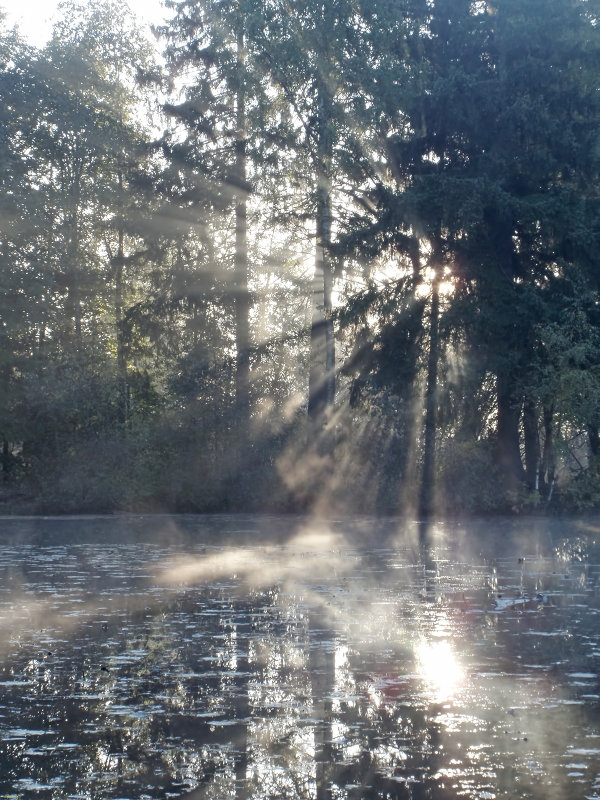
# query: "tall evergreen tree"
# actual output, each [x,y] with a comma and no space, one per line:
[304,51]
[482,154]
[208,40]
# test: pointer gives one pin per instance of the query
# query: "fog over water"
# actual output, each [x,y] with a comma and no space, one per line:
[267,657]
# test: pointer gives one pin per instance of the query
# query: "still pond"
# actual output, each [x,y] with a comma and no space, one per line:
[144,658]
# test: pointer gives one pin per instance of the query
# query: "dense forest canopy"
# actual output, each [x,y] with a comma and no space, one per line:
[340,257]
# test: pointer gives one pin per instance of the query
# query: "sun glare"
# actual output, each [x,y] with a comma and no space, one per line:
[440,669]
[446,286]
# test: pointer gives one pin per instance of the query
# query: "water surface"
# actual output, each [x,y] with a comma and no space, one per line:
[262,657]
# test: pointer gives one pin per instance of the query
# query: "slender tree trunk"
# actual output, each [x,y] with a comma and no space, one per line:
[427,490]
[509,400]
[508,442]
[594,440]
[73,272]
[73,299]
[321,391]
[548,463]
[119,265]
[76,303]
[405,468]
[532,445]
[242,297]
[5,461]
[73,256]
[123,389]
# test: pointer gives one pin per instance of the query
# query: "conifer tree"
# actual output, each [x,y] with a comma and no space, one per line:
[208,41]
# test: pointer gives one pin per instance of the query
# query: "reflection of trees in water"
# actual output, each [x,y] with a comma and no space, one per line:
[216,692]
[168,717]
[321,643]
[210,693]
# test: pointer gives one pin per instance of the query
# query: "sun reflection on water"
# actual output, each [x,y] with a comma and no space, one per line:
[440,669]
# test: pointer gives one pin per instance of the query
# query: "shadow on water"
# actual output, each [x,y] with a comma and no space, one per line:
[264,657]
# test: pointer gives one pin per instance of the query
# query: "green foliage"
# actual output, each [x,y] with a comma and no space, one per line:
[470,480]
[582,492]
[155,296]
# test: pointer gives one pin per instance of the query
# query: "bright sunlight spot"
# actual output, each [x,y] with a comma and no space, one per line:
[446,285]
[439,668]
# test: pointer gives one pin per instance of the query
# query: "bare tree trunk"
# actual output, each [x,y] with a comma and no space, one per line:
[427,490]
[5,461]
[123,388]
[73,298]
[406,470]
[594,440]
[532,445]
[321,391]
[508,442]
[242,297]
[73,272]
[548,467]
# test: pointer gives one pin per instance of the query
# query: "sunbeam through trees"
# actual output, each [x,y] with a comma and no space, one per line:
[339,257]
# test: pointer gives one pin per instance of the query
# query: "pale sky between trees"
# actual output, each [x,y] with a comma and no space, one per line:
[35,17]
